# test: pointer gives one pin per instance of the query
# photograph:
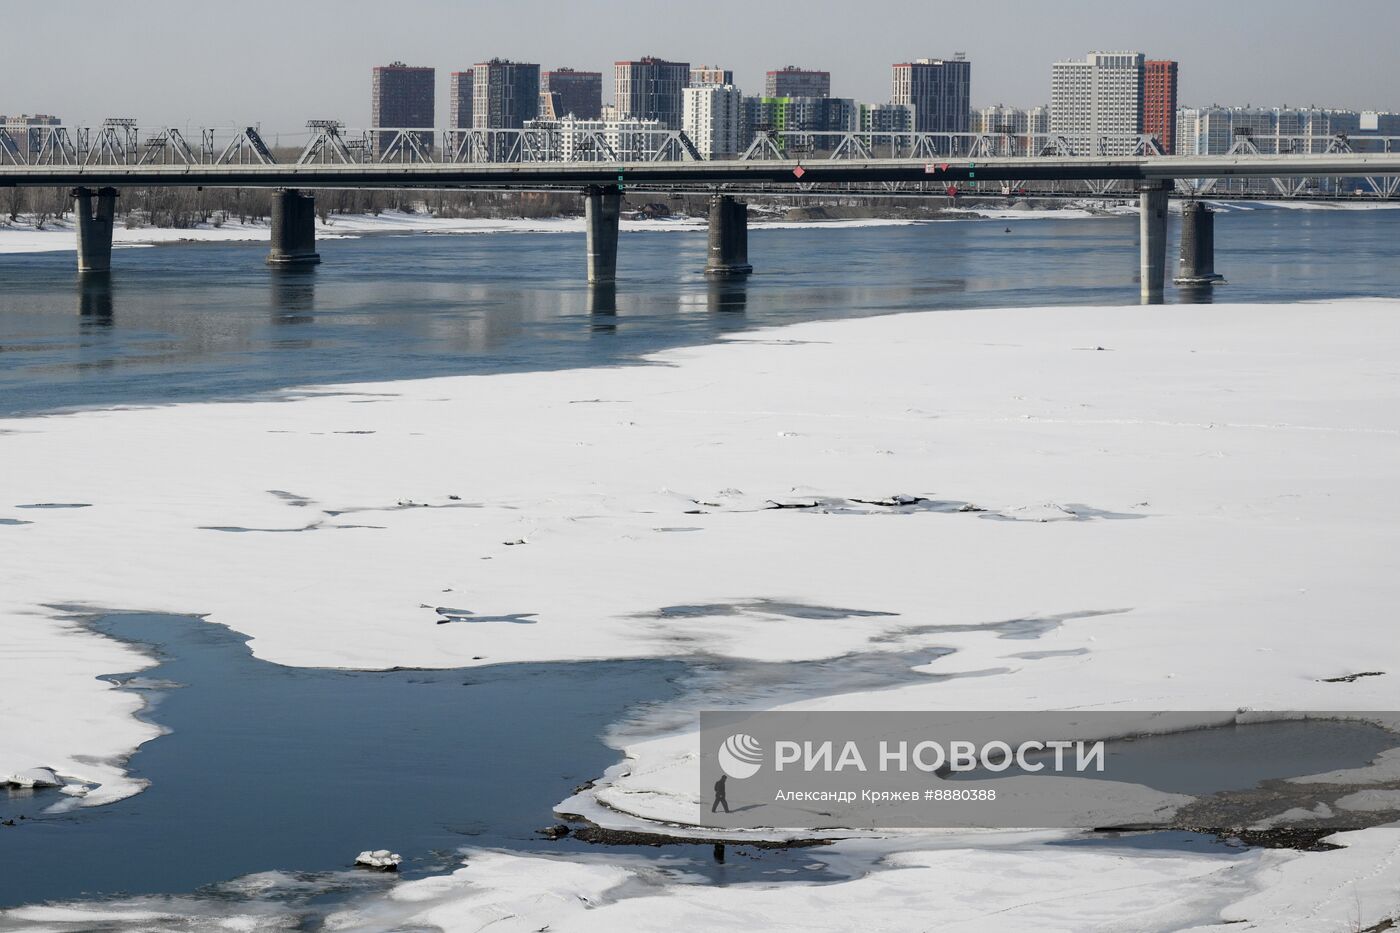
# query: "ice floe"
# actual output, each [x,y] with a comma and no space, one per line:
[381,859]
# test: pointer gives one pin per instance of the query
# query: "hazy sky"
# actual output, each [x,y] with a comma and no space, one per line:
[281,62]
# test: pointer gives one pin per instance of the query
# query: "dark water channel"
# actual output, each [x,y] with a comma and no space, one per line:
[269,767]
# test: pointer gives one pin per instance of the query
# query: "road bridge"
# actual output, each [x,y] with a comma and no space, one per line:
[97,162]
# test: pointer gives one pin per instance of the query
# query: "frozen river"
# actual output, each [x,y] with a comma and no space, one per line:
[211,321]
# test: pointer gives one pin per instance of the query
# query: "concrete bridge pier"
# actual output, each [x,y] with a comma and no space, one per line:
[293,229]
[1196,268]
[602,207]
[94,227]
[602,299]
[729,237]
[1152,239]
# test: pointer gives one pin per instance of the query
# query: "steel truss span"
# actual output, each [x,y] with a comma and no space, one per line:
[119,153]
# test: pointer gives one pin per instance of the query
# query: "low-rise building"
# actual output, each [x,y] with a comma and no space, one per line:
[805,114]
[1215,130]
[1020,131]
[573,140]
[886,118]
[26,133]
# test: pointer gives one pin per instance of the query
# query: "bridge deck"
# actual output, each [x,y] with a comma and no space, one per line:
[567,175]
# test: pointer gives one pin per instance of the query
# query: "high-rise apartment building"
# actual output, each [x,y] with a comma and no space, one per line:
[702,75]
[565,92]
[650,89]
[792,81]
[401,97]
[940,91]
[504,94]
[459,100]
[1159,102]
[713,116]
[1096,104]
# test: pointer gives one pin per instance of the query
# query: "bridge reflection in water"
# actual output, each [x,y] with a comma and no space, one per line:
[292,294]
[95,299]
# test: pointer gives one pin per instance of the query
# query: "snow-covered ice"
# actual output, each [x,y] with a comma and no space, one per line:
[1036,889]
[382,859]
[33,777]
[998,882]
[1221,484]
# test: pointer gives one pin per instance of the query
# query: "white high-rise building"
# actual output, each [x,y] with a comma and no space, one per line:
[1096,104]
[711,117]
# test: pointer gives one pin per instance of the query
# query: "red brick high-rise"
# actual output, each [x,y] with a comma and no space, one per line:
[1159,103]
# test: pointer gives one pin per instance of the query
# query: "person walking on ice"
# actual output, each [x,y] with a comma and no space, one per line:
[719,795]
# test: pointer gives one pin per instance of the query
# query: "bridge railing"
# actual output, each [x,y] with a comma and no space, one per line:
[121,140]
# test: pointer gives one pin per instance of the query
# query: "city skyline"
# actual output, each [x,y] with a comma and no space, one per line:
[318,66]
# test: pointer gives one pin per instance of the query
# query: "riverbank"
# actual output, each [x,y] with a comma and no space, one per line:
[1189,507]
[26,235]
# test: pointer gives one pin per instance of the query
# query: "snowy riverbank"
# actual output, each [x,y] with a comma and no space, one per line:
[1193,503]
[24,236]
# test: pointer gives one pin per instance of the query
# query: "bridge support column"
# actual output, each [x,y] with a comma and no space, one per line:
[94,227]
[729,237]
[1152,238]
[602,206]
[1196,268]
[293,229]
